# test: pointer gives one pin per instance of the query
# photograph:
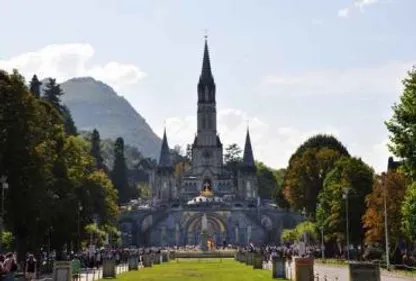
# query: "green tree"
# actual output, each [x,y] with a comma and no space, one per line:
[267,182]
[233,160]
[52,94]
[305,176]
[119,172]
[289,236]
[232,156]
[54,170]
[409,213]
[27,151]
[352,176]
[145,191]
[96,150]
[402,125]
[35,86]
[102,197]
[319,141]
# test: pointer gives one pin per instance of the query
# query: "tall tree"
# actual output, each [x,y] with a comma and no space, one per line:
[69,123]
[119,172]
[392,188]
[27,151]
[402,125]
[351,177]
[409,213]
[35,86]
[52,94]
[319,141]
[96,150]
[305,176]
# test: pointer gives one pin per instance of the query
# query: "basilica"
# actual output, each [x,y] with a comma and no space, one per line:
[206,196]
[207,172]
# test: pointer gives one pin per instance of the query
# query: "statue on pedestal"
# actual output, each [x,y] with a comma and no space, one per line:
[204,233]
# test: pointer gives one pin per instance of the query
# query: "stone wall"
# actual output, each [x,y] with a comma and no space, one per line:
[181,226]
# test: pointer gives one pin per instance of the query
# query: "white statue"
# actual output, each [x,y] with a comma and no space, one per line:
[204,223]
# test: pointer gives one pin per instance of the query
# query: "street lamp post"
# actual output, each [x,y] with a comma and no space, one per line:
[346,197]
[386,232]
[79,226]
[304,226]
[322,243]
[4,186]
[322,235]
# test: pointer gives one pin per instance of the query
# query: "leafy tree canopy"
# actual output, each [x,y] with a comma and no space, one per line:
[392,188]
[321,141]
[409,212]
[402,125]
[305,176]
[349,176]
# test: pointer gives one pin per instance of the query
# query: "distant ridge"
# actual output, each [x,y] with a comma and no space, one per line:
[94,104]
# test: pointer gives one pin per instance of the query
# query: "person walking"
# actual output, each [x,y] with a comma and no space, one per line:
[30,268]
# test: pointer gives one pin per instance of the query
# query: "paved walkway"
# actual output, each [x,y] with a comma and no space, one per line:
[333,271]
[95,274]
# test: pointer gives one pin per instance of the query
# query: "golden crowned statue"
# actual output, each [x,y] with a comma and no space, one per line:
[206,190]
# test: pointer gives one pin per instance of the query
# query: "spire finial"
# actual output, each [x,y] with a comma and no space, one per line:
[248,124]
[206,34]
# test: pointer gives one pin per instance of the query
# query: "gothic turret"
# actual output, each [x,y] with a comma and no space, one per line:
[164,188]
[248,159]
[165,160]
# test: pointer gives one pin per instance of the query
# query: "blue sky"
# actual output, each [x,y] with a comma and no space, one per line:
[290,68]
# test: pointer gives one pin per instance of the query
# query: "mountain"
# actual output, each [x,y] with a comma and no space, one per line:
[94,104]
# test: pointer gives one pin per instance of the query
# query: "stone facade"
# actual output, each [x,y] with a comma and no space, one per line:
[228,199]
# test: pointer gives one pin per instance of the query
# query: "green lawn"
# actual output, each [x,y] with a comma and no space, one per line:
[194,269]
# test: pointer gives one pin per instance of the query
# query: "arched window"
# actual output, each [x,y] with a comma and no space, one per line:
[248,189]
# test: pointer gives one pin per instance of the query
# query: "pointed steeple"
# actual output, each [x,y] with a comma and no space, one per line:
[165,159]
[248,159]
[206,73]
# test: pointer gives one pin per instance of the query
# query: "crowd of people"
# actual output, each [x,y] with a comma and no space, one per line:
[34,265]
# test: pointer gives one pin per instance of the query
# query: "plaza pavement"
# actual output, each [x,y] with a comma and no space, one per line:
[333,271]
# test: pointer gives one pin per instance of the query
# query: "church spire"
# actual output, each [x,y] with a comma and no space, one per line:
[206,73]
[248,159]
[165,160]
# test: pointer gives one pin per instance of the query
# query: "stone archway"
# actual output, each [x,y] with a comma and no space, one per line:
[216,229]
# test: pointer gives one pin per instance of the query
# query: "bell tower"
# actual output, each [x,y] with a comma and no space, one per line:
[207,111]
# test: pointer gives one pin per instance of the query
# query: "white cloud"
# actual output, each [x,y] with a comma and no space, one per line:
[362,3]
[343,13]
[65,61]
[271,144]
[377,79]
[359,4]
